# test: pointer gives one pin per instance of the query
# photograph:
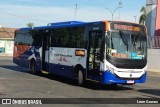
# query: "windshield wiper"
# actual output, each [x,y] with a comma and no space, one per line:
[124,39]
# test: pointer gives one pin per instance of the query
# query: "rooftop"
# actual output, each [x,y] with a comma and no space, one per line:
[7,32]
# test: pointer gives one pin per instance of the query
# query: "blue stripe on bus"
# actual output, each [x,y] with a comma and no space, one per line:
[63,70]
[109,78]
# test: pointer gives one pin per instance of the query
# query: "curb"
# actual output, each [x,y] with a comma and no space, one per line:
[6,56]
[153,72]
[156,74]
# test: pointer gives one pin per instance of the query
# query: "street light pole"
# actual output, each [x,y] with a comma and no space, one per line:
[135,18]
[75,12]
[112,13]
[120,4]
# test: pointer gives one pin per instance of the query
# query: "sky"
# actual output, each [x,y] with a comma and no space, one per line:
[17,13]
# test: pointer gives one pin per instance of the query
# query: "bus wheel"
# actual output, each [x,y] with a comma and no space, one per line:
[81,78]
[33,67]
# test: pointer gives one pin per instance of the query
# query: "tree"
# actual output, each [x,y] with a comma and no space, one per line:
[143,16]
[30,25]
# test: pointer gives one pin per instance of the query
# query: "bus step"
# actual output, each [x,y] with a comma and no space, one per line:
[45,72]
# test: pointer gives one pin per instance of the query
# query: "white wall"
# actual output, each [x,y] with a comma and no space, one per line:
[2,43]
[8,45]
[154,60]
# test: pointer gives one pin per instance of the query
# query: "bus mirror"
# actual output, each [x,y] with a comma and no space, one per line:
[80,52]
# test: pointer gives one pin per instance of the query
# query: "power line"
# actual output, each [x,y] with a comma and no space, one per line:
[23,17]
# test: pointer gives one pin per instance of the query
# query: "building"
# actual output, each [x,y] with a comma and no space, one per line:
[6,40]
[153,17]
[153,23]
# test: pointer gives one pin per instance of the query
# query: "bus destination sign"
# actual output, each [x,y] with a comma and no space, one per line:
[127,27]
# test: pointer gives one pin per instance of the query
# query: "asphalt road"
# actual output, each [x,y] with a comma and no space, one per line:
[17,82]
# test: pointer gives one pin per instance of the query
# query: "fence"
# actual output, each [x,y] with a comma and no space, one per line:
[153,42]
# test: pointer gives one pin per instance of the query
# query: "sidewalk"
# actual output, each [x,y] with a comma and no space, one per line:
[6,56]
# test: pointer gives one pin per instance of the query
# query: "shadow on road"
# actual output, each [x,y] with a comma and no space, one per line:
[88,85]
[150,91]
[15,68]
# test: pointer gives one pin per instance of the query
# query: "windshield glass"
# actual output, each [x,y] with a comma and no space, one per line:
[126,45]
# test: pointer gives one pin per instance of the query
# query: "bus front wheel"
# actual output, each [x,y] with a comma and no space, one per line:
[81,78]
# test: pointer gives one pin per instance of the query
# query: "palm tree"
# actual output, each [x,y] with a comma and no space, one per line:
[30,25]
[143,16]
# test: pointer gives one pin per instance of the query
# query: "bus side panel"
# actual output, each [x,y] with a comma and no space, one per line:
[38,57]
[23,54]
[57,69]
[63,60]
[16,54]
[19,56]
[35,52]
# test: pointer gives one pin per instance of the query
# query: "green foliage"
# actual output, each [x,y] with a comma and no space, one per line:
[143,16]
[30,25]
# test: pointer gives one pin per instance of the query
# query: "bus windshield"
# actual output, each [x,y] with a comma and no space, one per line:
[126,45]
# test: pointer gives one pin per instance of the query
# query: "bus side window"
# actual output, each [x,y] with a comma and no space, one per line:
[28,39]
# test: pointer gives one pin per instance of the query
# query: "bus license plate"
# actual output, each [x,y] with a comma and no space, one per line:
[130,81]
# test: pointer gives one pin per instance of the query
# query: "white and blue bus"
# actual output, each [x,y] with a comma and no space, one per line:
[108,52]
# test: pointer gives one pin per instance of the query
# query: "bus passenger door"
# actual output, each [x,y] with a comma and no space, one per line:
[94,52]
[45,53]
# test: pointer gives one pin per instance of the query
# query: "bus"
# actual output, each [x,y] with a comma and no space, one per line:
[107,52]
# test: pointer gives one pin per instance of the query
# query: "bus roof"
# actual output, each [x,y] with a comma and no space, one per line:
[66,23]
[61,25]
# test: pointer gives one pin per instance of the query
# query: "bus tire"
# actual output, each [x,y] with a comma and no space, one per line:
[33,67]
[81,78]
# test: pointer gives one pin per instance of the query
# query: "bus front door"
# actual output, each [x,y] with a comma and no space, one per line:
[45,53]
[94,52]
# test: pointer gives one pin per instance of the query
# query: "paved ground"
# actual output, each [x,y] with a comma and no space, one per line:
[17,82]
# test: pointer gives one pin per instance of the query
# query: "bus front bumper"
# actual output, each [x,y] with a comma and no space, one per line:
[109,78]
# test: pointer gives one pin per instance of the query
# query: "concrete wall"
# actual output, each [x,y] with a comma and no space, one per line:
[153,60]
